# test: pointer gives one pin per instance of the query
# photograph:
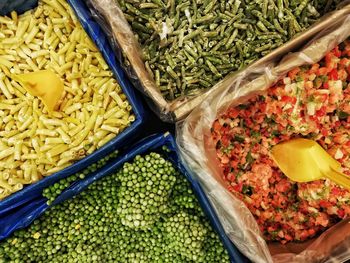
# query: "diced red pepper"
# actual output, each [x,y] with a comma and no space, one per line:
[216,126]
[233,113]
[337,52]
[293,73]
[312,232]
[336,191]
[321,112]
[333,75]
[314,68]
[304,235]
[341,213]
[322,71]
[289,99]
[324,132]
[325,204]
[328,58]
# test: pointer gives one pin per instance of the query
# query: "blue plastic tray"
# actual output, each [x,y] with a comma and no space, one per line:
[6,6]
[31,192]
[24,216]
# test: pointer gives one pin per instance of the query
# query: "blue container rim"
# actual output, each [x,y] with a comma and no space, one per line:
[98,36]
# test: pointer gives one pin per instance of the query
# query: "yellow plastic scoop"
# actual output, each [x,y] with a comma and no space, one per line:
[44,84]
[304,160]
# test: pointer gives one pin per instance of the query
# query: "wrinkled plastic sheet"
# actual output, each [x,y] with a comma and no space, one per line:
[113,21]
[29,193]
[198,151]
[25,215]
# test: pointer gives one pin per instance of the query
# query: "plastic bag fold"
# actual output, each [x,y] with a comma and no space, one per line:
[198,151]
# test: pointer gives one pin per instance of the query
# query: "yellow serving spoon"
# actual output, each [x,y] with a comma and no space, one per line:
[44,84]
[304,160]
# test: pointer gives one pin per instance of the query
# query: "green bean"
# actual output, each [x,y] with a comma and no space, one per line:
[202,32]
[229,14]
[171,7]
[222,6]
[262,48]
[278,27]
[157,77]
[236,7]
[262,19]
[209,7]
[141,28]
[191,51]
[148,5]
[235,18]
[210,34]
[195,9]
[198,47]
[301,7]
[129,18]
[240,26]
[225,66]
[182,7]
[172,73]
[204,83]
[232,51]
[286,3]
[264,8]
[192,34]
[270,36]
[224,17]
[261,26]
[176,19]
[280,8]
[191,60]
[212,68]
[231,39]
[158,2]
[204,19]
[218,45]
[214,60]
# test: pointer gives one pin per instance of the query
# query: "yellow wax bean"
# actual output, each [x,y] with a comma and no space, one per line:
[6,152]
[34,142]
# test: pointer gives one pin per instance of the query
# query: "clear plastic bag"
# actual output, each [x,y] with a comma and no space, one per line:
[199,153]
[114,22]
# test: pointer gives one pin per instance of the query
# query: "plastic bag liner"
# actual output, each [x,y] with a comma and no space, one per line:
[198,151]
[113,21]
[23,197]
[22,217]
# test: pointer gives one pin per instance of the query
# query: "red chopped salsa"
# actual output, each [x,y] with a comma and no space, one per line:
[310,102]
